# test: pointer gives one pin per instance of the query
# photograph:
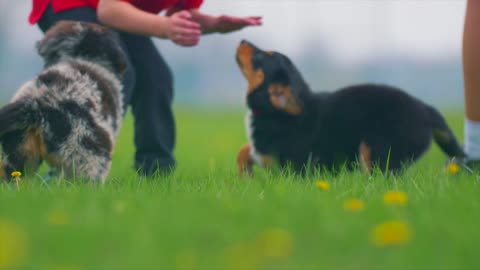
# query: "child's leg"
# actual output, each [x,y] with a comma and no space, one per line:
[151,106]
[471,69]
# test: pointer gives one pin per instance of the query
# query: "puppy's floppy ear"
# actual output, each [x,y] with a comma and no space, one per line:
[18,115]
[103,44]
[282,95]
[117,56]
[44,48]
[283,98]
[59,40]
[82,39]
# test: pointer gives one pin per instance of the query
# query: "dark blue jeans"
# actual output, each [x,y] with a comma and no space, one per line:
[148,88]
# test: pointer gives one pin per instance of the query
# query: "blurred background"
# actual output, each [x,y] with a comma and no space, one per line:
[415,45]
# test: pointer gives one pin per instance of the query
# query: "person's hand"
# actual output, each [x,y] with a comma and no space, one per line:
[182,30]
[226,24]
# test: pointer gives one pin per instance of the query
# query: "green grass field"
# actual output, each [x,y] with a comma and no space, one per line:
[205,217]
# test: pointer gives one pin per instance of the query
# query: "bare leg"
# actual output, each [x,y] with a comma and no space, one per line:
[471,60]
[471,71]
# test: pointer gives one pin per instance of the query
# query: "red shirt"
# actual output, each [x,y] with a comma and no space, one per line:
[152,6]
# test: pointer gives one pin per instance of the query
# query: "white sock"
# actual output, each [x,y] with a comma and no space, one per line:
[472,139]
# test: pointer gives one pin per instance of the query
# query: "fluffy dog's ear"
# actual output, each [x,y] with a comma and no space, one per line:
[103,45]
[82,39]
[13,116]
[59,40]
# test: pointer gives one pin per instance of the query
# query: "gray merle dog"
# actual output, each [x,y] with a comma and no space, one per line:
[70,114]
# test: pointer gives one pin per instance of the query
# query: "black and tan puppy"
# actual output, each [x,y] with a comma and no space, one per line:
[375,125]
[69,115]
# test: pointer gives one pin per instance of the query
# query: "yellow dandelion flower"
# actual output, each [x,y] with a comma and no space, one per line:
[391,233]
[13,245]
[353,205]
[452,168]
[323,185]
[275,243]
[395,198]
[57,217]
[16,174]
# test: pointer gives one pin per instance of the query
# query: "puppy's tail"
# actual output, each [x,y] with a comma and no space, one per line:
[18,115]
[443,135]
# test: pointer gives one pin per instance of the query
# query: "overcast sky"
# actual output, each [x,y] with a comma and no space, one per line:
[354,30]
[357,29]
